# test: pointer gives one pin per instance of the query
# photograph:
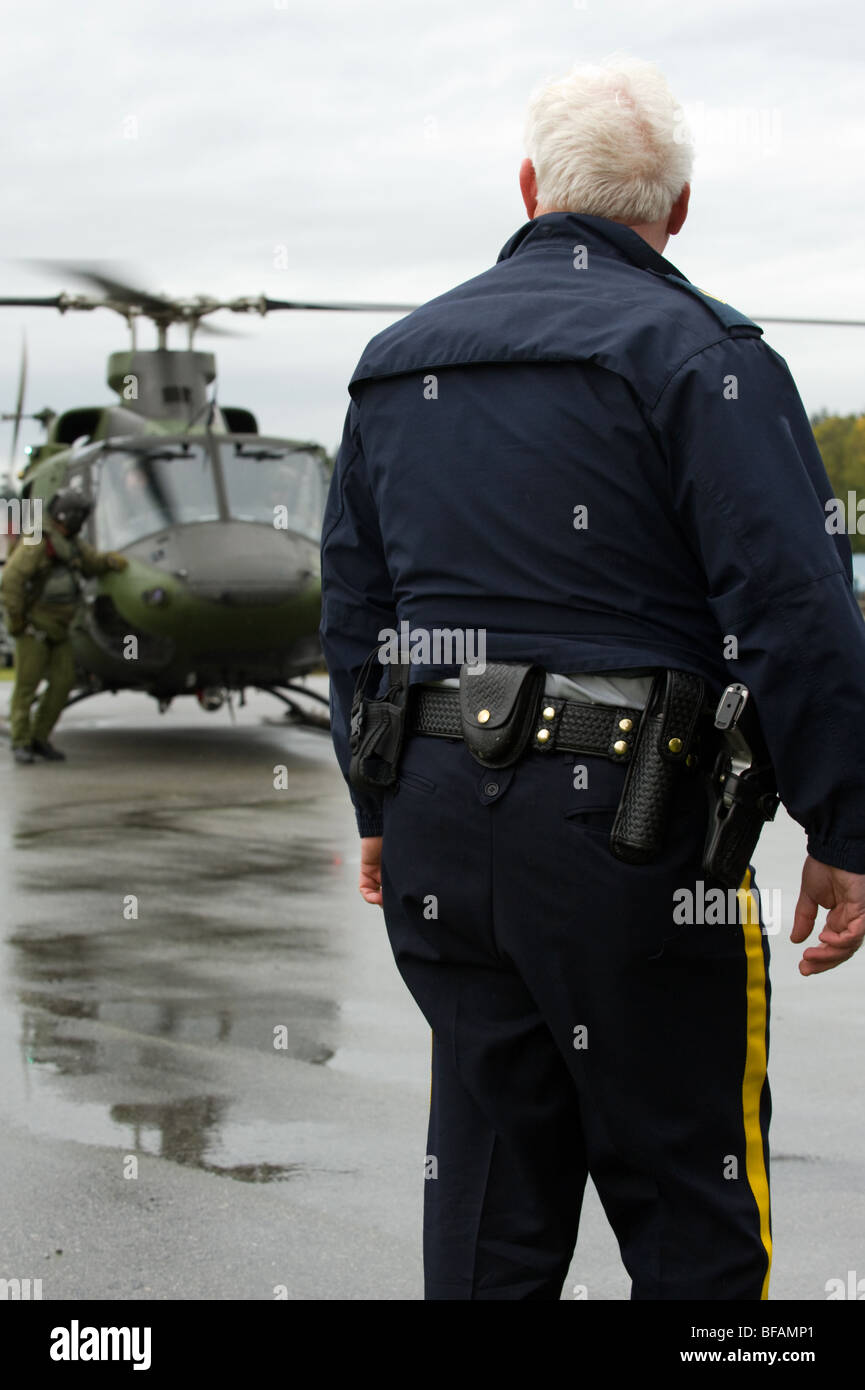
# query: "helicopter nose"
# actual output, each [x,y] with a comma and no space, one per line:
[242,564]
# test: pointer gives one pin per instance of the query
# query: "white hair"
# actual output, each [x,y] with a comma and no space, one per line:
[609,141]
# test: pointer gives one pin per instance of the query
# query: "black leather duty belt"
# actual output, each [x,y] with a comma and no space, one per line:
[566,726]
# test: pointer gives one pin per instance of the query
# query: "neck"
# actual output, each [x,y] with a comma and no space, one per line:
[654,233]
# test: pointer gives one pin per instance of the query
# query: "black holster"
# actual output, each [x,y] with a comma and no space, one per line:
[377,729]
[741,804]
[665,739]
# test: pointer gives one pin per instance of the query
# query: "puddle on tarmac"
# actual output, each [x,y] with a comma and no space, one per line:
[76,1056]
[74,1053]
[163,1034]
[151,1041]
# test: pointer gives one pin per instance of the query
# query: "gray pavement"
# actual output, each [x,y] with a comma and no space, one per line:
[155,1144]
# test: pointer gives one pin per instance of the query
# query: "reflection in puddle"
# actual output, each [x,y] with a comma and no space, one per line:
[182,1131]
[139,1014]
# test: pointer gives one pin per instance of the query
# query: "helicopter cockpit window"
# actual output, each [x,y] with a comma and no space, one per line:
[273,484]
[144,491]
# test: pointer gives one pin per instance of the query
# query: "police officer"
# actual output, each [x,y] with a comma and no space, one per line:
[41,591]
[610,475]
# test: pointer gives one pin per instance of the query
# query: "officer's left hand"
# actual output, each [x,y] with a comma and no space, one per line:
[370,869]
[844,894]
[117,561]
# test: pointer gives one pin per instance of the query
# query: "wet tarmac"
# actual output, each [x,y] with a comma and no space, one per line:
[213,1083]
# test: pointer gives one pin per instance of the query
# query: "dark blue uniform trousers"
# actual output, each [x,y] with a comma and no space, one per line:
[577,1029]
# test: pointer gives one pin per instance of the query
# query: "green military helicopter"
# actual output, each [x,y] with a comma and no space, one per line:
[221,525]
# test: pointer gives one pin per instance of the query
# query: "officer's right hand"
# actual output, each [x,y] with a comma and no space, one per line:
[369,885]
[844,894]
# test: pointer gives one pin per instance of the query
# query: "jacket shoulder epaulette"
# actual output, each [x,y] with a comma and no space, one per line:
[724,312]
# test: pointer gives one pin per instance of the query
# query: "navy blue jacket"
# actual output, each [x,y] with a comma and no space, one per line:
[583,370]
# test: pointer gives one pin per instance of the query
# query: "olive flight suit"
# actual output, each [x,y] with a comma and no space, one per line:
[41,589]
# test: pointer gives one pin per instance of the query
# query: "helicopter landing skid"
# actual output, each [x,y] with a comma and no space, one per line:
[295,713]
[79,695]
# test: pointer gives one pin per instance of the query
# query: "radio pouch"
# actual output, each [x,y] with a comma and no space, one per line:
[377,730]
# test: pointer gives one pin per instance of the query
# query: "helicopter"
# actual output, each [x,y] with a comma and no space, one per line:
[221,525]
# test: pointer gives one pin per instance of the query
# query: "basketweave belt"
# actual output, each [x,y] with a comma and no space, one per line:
[569,726]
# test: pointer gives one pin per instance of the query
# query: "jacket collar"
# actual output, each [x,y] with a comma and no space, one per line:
[607,238]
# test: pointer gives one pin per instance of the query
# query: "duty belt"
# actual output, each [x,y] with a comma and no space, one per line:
[501,711]
[569,726]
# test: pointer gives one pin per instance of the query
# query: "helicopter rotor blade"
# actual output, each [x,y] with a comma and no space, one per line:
[344,307]
[102,276]
[19,404]
[51,302]
[820,323]
[361,308]
[212,330]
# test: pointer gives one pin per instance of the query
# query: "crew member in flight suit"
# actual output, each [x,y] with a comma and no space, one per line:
[41,591]
[609,473]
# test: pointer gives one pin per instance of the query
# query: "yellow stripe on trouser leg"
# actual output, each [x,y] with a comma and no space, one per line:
[755,1064]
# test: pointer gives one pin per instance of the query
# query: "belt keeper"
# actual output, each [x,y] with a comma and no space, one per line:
[547,726]
[684,699]
[620,735]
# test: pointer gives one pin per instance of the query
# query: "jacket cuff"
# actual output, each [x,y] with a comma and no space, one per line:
[368,825]
[839,854]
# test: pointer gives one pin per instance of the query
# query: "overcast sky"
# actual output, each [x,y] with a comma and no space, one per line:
[373,148]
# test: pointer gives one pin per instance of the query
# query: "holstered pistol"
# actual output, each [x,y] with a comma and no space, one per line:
[743,790]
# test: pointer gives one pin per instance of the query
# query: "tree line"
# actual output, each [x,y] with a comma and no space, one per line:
[841,441]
